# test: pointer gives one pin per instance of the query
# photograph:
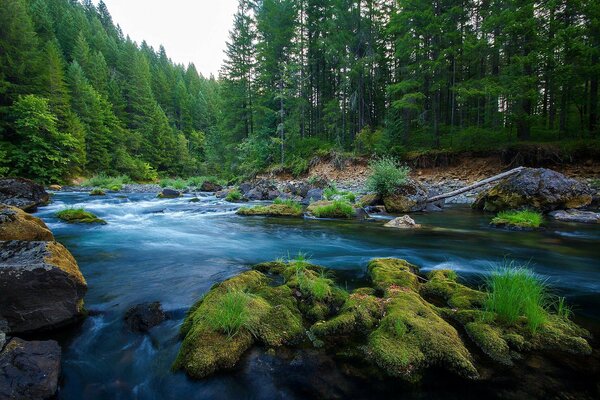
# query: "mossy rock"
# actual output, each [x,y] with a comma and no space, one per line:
[271,210]
[442,284]
[371,199]
[412,337]
[490,341]
[16,224]
[390,273]
[97,192]
[79,216]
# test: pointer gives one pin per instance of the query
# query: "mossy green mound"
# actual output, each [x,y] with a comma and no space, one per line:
[272,210]
[339,209]
[391,325]
[97,192]
[518,219]
[79,216]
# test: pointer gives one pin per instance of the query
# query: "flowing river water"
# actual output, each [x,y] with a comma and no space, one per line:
[174,250]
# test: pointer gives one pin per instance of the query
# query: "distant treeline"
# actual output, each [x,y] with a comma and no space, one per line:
[301,78]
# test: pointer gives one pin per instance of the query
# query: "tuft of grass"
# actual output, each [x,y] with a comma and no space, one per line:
[562,309]
[521,219]
[97,192]
[234,195]
[178,184]
[290,203]
[333,193]
[514,291]
[337,209]
[386,176]
[107,182]
[231,313]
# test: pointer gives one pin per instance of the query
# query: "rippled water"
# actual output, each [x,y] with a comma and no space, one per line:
[173,251]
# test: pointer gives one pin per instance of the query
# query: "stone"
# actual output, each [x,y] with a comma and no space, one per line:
[143,317]
[169,194]
[404,222]
[410,197]
[314,194]
[22,193]
[535,188]
[586,217]
[208,186]
[29,370]
[56,188]
[41,286]
[16,224]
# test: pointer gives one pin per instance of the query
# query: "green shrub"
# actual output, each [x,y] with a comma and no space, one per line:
[97,192]
[514,291]
[107,182]
[386,176]
[231,313]
[178,183]
[337,209]
[234,195]
[522,219]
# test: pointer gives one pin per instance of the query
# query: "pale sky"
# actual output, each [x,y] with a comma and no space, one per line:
[190,30]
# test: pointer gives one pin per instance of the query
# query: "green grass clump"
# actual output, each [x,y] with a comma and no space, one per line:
[386,176]
[290,203]
[514,291]
[78,216]
[336,209]
[231,313]
[107,182]
[178,184]
[234,195]
[520,219]
[333,193]
[97,192]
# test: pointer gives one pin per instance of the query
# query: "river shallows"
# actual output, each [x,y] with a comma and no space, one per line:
[173,251]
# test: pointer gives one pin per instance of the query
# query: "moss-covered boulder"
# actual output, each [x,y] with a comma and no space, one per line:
[16,224]
[443,284]
[535,188]
[97,192]
[390,273]
[272,210]
[231,317]
[79,216]
[410,197]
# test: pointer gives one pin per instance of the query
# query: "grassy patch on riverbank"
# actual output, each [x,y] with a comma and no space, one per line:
[103,181]
[519,219]
[333,209]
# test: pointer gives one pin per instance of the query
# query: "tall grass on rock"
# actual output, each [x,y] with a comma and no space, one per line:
[386,176]
[232,313]
[515,291]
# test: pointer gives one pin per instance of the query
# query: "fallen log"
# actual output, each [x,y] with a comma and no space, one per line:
[474,186]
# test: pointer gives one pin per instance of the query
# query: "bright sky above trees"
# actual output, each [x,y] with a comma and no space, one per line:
[191,30]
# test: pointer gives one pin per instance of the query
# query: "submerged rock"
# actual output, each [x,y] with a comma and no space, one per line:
[404,222]
[535,188]
[29,370]
[41,286]
[16,224]
[586,217]
[143,317]
[22,193]
[410,197]
[169,194]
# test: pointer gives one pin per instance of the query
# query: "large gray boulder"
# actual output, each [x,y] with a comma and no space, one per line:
[41,286]
[535,188]
[29,370]
[22,193]
[586,217]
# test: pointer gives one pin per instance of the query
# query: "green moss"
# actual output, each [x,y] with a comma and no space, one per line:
[272,267]
[393,273]
[442,284]
[490,340]
[97,192]
[412,336]
[78,216]
[234,196]
[272,210]
[331,209]
[518,219]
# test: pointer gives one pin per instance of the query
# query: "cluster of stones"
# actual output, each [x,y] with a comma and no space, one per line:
[41,289]
[393,325]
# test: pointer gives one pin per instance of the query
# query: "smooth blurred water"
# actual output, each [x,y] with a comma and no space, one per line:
[173,251]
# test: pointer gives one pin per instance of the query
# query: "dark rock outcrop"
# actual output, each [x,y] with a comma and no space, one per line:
[535,188]
[208,186]
[169,194]
[41,286]
[143,317]
[29,370]
[22,193]
[314,194]
[16,224]
[262,189]
[410,197]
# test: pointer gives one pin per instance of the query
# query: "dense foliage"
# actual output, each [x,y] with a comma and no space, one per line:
[301,78]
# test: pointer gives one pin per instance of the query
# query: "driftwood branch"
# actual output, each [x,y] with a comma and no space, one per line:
[474,186]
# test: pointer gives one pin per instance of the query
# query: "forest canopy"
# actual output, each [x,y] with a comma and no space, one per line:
[300,78]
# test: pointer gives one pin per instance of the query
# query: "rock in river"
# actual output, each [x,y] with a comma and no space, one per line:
[29,370]
[587,217]
[410,197]
[41,286]
[535,188]
[169,194]
[22,193]
[404,222]
[143,317]
[16,224]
